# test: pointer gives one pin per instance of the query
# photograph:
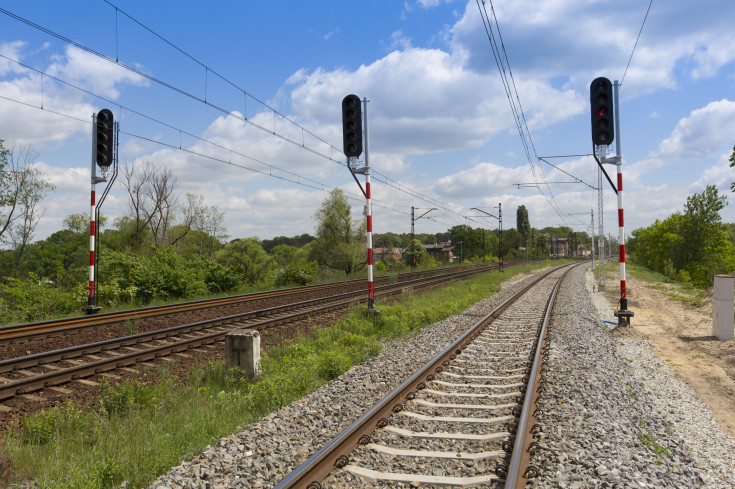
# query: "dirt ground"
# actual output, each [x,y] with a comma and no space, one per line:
[682,336]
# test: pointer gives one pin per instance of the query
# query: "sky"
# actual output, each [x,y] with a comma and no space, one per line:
[241,101]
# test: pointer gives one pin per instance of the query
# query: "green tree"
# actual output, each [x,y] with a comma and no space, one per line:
[690,246]
[512,240]
[522,224]
[732,163]
[474,241]
[248,258]
[414,253]
[702,223]
[340,242]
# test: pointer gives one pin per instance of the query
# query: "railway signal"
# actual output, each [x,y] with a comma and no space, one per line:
[352,126]
[601,103]
[103,136]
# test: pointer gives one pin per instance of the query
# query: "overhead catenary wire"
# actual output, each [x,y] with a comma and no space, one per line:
[636,43]
[297,179]
[401,187]
[503,64]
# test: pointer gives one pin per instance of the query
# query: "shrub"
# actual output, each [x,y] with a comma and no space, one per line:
[29,300]
[333,364]
[126,396]
[298,273]
[42,427]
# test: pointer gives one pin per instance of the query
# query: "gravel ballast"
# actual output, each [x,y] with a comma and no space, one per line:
[614,416]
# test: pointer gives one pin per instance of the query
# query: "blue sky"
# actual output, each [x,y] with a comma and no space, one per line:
[441,127]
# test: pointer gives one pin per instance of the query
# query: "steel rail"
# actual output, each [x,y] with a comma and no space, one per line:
[335,453]
[24,332]
[219,326]
[517,475]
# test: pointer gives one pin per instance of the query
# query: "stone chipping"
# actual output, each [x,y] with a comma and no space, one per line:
[613,415]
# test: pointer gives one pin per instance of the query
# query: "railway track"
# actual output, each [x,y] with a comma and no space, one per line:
[206,309]
[52,369]
[464,419]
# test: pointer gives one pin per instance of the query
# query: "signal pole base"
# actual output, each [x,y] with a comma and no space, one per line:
[623,317]
[91,308]
[371,311]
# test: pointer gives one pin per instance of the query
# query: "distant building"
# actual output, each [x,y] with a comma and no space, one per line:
[442,252]
[559,246]
[386,253]
[582,250]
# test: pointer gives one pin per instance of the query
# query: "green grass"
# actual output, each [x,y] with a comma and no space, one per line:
[677,291]
[139,430]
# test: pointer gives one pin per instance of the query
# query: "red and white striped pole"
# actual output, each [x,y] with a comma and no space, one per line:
[371,288]
[91,307]
[621,238]
[92,226]
[623,314]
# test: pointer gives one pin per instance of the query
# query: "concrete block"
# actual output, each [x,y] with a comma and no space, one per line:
[242,349]
[723,308]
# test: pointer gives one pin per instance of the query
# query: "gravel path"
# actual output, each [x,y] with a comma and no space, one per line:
[614,415]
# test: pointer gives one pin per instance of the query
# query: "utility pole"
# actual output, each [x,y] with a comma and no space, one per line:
[499,217]
[413,260]
[601,229]
[592,225]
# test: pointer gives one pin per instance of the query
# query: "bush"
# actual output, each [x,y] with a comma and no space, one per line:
[42,427]
[168,275]
[29,300]
[219,278]
[298,273]
[126,396]
[333,364]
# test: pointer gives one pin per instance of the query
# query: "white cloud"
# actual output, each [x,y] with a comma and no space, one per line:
[703,132]
[93,73]
[678,38]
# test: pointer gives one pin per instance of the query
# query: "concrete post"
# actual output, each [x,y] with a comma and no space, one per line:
[722,308]
[242,349]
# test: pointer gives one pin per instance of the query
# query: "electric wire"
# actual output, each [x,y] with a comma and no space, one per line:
[400,187]
[294,177]
[636,44]
[508,80]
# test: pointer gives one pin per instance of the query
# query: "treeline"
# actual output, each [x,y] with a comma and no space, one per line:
[170,246]
[692,246]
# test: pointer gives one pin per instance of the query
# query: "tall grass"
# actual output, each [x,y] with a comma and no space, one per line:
[138,430]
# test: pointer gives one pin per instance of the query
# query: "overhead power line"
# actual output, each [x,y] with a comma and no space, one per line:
[506,75]
[636,43]
[401,187]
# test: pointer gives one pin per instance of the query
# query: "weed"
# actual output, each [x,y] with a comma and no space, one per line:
[647,439]
[126,396]
[692,301]
[106,473]
[332,365]
[131,326]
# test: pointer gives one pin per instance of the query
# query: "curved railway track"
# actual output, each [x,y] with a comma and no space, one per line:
[206,309]
[50,369]
[462,420]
